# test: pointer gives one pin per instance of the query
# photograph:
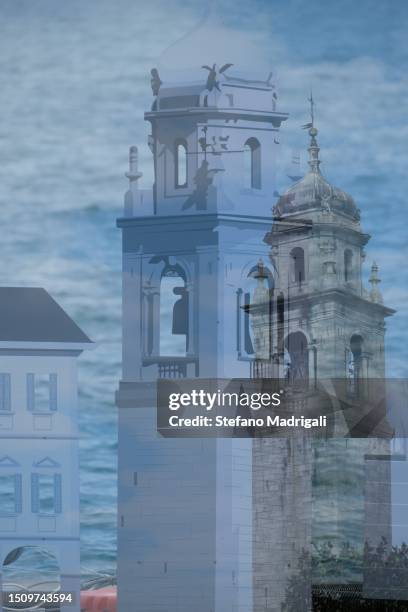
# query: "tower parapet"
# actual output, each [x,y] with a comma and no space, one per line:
[213,141]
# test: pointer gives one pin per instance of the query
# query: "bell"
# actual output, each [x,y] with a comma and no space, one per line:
[180,312]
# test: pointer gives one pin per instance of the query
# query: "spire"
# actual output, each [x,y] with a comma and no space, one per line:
[374,280]
[314,149]
[314,161]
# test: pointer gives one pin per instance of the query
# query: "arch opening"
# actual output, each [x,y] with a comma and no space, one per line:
[296,358]
[174,313]
[355,361]
[250,315]
[297,265]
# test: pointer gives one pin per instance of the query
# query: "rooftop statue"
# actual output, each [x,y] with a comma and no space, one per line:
[212,75]
[155,81]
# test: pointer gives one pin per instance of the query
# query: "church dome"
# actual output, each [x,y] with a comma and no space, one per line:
[313,191]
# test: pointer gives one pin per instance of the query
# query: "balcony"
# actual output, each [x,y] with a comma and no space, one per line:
[261,369]
[173,367]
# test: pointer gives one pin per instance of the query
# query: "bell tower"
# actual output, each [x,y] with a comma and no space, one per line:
[191,246]
[327,330]
[334,327]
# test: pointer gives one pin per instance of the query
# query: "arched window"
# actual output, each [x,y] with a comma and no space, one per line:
[354,366]
[348,265]
[180,165]
[173,313]
[297,358]
[297,265]
[356,346]
[252,164]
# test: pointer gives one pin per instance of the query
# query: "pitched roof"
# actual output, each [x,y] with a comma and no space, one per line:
[30,314]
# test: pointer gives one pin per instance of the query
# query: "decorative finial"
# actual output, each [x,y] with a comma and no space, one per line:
[375,293]
[133,174]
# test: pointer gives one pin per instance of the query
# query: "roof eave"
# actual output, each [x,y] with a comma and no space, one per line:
[21,345]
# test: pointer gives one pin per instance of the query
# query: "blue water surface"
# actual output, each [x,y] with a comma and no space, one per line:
[74,83]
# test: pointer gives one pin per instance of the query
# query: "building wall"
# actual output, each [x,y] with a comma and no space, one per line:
[36,442]
[184,536]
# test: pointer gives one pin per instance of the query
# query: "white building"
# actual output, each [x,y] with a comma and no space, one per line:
[39,478]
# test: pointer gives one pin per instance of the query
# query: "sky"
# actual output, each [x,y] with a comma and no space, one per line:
[75,85]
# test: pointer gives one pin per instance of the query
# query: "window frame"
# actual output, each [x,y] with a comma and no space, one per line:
[17,494]
[31,392]
[36,497]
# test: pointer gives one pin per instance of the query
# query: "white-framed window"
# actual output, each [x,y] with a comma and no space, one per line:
[42,392]
[46,493]
[5,392]
[10,494]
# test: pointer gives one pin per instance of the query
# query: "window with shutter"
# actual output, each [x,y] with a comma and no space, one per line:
[42,392]
[8,494]
[46,493]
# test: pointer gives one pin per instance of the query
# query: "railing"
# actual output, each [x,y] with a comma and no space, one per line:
[172,367]
[261,369]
